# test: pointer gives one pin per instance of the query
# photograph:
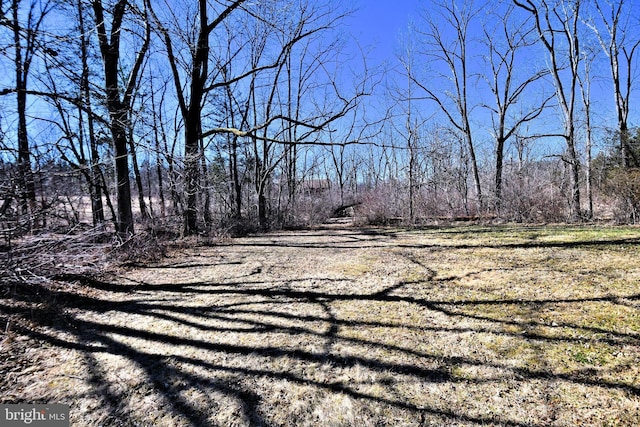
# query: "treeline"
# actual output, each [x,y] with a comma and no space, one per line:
[245,115]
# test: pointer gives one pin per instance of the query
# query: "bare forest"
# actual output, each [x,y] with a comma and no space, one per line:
[264,149]
[245,116]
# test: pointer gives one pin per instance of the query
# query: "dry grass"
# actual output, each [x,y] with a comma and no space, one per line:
[514,326]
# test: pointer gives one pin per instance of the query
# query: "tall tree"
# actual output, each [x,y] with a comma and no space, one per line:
[557,23]
[236,113]
[96,178]
[410,129]
[25,31]
[619,41]
[506,44]
[303,100]
[191,108]
[268,123]
[446,44]
[584,82]
[119,102]
[69,89]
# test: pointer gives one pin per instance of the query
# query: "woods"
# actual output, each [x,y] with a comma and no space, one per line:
[240,116]
[267,212]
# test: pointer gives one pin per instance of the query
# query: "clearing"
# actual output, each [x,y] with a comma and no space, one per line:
[338,326]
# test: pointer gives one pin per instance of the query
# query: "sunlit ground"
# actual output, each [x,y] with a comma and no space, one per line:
[515,326]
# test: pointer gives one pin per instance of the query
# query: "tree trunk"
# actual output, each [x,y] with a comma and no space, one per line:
[208,217]
[191,176]
[28,197]
[262,209]
[575,178]
[95,187]
[138,178]
[192,124]
[235,179]
[159,175]
[157,117]
[475,171]
[499,172]
[25,173]
[97,183]
[123,185]
[118,112]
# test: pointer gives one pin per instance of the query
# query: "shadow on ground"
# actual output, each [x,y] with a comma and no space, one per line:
[248,338]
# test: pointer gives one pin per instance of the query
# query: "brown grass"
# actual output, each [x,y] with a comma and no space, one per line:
[468,326]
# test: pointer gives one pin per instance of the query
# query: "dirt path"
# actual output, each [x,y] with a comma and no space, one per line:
[338,326]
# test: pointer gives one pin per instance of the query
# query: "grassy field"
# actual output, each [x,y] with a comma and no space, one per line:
[444,326]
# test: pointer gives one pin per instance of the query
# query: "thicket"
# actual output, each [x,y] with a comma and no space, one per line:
[146,118]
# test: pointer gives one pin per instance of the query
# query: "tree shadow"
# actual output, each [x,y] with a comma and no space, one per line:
[96,337]
[254,311]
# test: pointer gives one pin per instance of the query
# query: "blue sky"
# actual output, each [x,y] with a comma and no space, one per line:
[377,25]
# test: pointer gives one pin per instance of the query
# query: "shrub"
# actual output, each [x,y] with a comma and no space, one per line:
[380,206]
[623,186]
[140,248]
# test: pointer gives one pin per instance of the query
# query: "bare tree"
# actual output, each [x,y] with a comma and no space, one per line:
[132,121]
[69,86]
[236,113]
[619,42]
[557,25]
[344,154]
[410,131]
[119,102]
[158,136]
[451,54]
[507,43]
[191,106]
[26,45]
[290,106]
[585,91]
[95,177]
